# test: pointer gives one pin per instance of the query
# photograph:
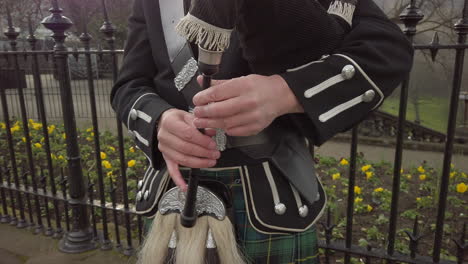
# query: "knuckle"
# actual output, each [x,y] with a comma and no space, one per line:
[214,95]
[187,133]
[189,149]
[251,102]
[227,123]
[257,115]
[160,147]
[183,160]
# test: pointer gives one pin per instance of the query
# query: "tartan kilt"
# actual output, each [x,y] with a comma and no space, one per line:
[262,248]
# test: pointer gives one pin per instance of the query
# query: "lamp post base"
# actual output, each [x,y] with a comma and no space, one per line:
[77,242]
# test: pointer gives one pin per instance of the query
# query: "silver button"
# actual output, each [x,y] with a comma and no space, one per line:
[146,196]
[348,72]
[280,209]
[138,196]
[140,184]
[368,96]
[133,114]
[131,134]
[303,211]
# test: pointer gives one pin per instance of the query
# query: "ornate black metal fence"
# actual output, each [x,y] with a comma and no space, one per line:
[34,188]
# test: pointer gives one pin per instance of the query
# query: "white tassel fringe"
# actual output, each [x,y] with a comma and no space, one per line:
[191,242]
[198,31]
[343,10]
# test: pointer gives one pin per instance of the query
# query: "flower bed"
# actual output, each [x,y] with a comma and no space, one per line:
[418,190]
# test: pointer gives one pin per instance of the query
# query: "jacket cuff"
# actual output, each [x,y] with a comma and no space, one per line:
[335,93]
[142,121]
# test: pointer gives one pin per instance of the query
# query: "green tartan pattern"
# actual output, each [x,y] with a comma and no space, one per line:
[300,248]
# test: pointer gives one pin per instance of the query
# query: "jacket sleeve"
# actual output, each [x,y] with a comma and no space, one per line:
[134,96]
[339,90]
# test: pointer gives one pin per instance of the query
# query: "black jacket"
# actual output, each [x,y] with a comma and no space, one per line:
[337,91]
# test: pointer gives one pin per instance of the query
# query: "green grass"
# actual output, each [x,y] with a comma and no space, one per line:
[433,111]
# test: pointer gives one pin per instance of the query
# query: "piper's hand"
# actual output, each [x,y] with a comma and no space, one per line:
[182,144]
[244,106]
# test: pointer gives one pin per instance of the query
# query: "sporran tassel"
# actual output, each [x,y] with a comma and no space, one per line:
[191,242]
[211,251]
[170,257]
[155,247]
[226,244]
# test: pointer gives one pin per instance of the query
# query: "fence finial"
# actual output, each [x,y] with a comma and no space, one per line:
[434,43]
[85,37]
[58,24]
[31,37]
[461,27]
[107,28]
[411,17]
[11,32]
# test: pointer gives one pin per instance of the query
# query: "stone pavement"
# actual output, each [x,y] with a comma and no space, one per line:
[20,246]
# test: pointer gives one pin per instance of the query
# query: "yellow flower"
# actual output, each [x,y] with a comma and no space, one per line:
[92,134]
[89,129]
[89,139]
[344,162]
[369,208]
[336,176]
[15,128]
[464,175]
[131,163]
[357,190]
[106,164]
[111,148]
[366,168]
[38,145]
[453,174]
[23,139]
[132,149]
[369,174]
[36,126]
[358,200]
[380,189]
[60,157]
[110,173]
[462,187]
[64,136]
[418,199]
[421,169]
[50,129]
[422,177]
[452,165]
[2,125]
[103,155]
[31,121]
[401,171]
[408,176]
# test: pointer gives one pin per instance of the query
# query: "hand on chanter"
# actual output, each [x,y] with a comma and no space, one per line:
[244,106]
[182,144]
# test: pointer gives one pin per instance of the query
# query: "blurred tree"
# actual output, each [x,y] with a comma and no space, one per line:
[20,10]
[79,11]
[91,13]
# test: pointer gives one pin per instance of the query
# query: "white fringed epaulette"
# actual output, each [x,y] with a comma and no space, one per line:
[344,9]
[200,32]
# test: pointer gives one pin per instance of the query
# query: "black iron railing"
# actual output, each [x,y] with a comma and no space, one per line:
[80,208]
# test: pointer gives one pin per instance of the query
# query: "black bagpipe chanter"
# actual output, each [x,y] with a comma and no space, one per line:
[275,35]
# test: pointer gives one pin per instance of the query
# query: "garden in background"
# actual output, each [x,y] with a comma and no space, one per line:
[418,198]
